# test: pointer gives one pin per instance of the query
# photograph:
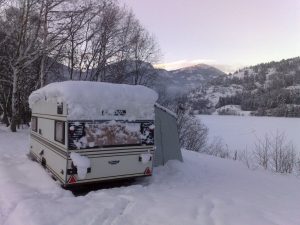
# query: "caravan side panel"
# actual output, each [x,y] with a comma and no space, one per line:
[43,146]
[50,156]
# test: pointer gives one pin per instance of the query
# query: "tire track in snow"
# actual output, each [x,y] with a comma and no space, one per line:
[204,211]
[127,209]
[110,216]
[20,185]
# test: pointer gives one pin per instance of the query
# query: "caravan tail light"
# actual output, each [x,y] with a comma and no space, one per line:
[72,180]
[148,172]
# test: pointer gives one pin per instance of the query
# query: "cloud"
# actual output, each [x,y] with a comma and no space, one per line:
[226,68]
[183,63]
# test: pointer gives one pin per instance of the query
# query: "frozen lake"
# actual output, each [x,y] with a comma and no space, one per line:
[241,132]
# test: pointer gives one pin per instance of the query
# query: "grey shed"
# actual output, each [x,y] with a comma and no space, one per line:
[166,136]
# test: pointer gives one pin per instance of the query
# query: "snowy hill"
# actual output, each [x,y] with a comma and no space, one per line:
[268,89]
[202,190]
[180,82]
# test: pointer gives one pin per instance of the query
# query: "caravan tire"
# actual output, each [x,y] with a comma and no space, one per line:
[43,162]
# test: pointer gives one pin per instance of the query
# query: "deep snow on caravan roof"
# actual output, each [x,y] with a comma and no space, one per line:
[88,100]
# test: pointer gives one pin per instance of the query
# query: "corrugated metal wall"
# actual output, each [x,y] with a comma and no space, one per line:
[166,137]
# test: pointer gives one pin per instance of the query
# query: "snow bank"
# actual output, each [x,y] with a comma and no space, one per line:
[82,163]
[293,88]
[231,110]
[91,100]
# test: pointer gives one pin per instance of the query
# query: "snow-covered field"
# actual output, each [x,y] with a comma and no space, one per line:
[203,190]
[240,133]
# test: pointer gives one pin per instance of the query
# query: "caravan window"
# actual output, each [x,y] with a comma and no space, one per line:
[34,124]
[60,108]
[59,131]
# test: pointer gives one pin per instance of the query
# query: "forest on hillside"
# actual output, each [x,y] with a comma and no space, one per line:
[268,89]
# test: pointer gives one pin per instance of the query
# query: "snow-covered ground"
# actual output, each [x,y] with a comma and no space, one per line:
[203,190]
[241,133]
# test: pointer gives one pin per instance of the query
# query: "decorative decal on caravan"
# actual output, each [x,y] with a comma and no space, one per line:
[92,134]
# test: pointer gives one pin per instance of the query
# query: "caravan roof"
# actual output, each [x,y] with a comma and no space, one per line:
[94,100]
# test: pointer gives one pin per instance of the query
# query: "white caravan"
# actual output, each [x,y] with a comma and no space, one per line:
[86,132]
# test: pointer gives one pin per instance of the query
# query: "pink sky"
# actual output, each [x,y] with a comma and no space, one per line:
[229,33]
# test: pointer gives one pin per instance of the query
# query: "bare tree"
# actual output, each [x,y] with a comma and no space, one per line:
[262,151]
[275,153]
[76,38]
[119,71]
[5,80]
[192,133]
[248,158]
[33,34]
[53,35]
[91,43]
[283,156]
[26,30]
[109,44]
[144,49]
[90,40]
[217,148]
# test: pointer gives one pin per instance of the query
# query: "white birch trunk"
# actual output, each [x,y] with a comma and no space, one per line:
[13,125]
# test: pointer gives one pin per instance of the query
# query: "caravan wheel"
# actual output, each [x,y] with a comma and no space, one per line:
[43,162]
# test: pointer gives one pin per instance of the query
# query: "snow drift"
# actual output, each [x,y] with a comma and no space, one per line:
[82,163]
